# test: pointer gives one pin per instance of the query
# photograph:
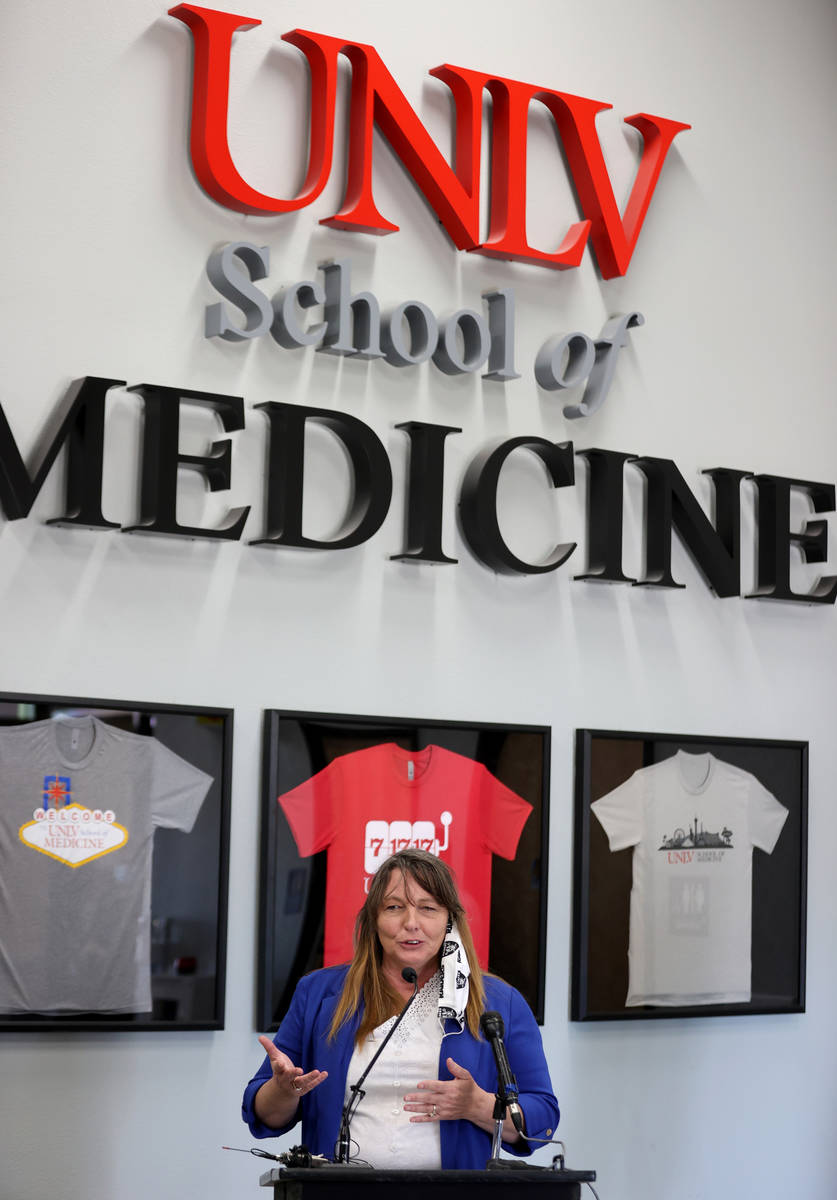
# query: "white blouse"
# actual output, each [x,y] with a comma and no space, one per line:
[381,1132]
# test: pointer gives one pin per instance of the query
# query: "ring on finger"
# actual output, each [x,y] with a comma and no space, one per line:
[296,1089]
[433,1112]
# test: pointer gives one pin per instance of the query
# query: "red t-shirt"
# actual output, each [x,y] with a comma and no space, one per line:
[366,805]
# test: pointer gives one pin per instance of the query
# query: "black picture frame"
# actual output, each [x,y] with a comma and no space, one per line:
[297,745]
[185,883]
[603,879]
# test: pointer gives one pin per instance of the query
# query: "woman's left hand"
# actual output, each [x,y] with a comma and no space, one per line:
[447,1099]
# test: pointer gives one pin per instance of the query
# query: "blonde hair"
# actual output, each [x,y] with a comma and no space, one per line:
[365,980]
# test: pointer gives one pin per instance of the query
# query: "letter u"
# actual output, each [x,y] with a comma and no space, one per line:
[212,33]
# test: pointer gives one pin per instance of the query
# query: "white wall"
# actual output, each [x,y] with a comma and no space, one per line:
[104,243]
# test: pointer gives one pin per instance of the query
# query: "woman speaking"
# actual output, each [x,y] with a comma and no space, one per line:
[429,1100]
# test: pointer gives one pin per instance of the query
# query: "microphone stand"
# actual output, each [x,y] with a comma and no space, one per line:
[505,1095]
[341,1154]
[499,1117]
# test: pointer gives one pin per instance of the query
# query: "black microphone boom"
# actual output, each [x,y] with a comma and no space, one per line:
[491,1023]
[341,1150]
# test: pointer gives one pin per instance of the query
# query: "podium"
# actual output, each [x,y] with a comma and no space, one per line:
[334,1182]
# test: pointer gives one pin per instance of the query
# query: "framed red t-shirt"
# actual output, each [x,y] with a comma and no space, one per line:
[366,805]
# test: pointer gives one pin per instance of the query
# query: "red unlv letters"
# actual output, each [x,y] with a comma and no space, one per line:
[453,193]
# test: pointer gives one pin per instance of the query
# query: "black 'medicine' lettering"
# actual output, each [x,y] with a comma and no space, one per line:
[671,506]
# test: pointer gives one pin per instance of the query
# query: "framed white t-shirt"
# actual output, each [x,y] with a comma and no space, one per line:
[693,822]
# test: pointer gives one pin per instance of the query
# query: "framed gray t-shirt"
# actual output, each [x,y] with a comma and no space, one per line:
[79,803]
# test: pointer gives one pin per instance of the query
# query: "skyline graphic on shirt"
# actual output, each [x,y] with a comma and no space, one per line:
[698,839]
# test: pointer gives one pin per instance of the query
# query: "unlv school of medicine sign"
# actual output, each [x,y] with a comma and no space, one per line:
[352,324]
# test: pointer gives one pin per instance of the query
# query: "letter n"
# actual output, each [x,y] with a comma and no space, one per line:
[376,98]
[716,550]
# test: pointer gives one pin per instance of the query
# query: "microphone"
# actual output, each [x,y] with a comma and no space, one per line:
[491,1024]
[341,1150]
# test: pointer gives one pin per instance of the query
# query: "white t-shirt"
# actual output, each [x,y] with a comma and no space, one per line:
[693,821]
[79,803]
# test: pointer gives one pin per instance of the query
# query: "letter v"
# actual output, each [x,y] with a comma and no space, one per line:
[614,238]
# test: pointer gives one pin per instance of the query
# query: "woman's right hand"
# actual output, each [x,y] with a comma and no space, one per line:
[290,1080]
[276,1101]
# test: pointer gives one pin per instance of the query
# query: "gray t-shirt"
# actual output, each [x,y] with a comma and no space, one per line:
[79,803]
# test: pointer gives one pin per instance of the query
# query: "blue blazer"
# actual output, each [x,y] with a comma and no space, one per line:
[303,1036]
